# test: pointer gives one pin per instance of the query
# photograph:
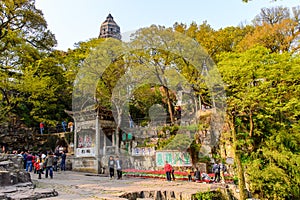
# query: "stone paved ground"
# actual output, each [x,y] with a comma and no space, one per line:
[77,185]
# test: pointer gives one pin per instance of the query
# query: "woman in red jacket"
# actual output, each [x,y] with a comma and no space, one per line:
[168,170]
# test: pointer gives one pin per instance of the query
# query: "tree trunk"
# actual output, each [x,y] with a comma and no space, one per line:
[237,159]
[169,105]
[251,124]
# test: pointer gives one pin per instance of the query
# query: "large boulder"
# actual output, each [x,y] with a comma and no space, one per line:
[11,170]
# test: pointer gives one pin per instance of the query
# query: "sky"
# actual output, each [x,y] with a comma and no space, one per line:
[73,21]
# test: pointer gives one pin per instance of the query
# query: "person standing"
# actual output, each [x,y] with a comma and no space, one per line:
[189,172]
[216,170]
[70,126]
[63,161]
[49,165]
[111,166]
[168,170]
[197,175]
[42,127]
[28,162]
[55,161]
[172,173]
[222,171]
[119,167]
[39,167]
[64,125]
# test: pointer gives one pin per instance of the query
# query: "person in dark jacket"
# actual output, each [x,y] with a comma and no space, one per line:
[63,161]
[216,170]
[49,164]
[197,175]
[111,166]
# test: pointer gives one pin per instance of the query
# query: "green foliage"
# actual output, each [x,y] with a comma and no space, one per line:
[171,129]
[262,88]
[144,97]
[162,143]
[179,142]
[210,195]
[25,43]
[205,159]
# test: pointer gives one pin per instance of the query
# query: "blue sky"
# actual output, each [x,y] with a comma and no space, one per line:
[79,20]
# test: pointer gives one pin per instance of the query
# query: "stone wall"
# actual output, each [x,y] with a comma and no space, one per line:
[11,170]
[85,164]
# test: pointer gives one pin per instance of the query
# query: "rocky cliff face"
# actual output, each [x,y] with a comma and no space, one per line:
[11,170]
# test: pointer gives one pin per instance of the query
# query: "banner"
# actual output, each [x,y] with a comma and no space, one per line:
[175,158]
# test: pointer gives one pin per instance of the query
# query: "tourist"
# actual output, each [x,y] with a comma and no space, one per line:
[189,173]
[216,171]
[111,166]
[70,126]
[24,155]
[168,170]
[39,166]
[131,123]
[28,162]
[63,161]
[222,171]
[119,167]
[64,125]
[197,175]
[172,173]
[48,163]
[55,161]
[42,126]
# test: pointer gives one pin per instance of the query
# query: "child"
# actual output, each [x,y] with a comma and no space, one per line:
[189,172]
[38,167]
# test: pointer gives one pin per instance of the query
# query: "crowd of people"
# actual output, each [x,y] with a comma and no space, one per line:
[43,163]
[194,174]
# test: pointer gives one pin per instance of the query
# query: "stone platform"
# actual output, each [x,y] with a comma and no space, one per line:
[25,191]
[79,185]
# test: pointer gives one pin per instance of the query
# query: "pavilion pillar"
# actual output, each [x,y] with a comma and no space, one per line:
[97,144]
[104,144]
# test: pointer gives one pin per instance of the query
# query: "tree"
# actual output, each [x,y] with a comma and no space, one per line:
[261,109]
[275,29]
[215,41]
[24,39]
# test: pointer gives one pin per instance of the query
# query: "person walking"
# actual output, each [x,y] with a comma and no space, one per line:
[119,167]
[111,166]
[63,161]
[168,170]
[49,165]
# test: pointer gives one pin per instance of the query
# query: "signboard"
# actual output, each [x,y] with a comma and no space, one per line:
[143,151]
[175,158]
[83,152]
